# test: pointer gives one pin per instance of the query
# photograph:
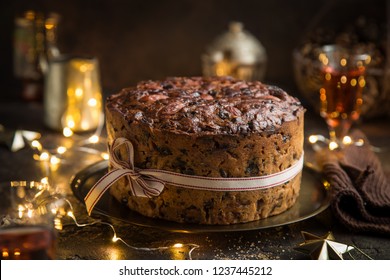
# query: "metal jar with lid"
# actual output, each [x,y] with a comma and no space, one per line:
[235,53]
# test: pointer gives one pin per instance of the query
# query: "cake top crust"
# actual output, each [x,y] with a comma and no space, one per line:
[198,105]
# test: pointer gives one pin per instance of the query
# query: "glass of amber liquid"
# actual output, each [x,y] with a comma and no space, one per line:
[27,224]
[343,76]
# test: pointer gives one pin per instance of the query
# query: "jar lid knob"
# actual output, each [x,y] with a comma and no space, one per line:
[236,27]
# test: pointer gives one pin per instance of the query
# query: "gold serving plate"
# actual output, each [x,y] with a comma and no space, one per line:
[313,199]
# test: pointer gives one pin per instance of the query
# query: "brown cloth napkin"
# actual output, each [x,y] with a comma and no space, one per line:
[360,189]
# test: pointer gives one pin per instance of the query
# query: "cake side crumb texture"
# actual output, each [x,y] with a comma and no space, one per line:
[213,127]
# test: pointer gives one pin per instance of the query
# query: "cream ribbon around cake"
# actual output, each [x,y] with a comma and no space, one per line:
[151,182]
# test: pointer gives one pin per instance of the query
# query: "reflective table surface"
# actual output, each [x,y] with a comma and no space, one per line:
[146,241]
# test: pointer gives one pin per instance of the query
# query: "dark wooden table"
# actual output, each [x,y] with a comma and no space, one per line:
[95,242]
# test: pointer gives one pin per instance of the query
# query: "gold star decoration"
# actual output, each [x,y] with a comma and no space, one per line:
[323,247]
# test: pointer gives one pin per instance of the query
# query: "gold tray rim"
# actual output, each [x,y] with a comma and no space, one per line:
[313,199]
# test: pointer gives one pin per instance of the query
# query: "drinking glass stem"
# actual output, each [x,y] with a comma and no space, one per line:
[338,133]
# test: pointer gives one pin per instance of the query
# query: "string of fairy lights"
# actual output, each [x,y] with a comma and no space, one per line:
[52,158]
[61,207]
[319,142]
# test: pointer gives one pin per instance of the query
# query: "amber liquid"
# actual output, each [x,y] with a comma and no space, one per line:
[341,98]
[27,243]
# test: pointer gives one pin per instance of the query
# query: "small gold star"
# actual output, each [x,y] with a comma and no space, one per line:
[322,247]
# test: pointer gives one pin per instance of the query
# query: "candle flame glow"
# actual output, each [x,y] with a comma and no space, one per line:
[30,213]
[78,92]
[71,123]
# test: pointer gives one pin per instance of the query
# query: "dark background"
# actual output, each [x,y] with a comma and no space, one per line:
[137,39]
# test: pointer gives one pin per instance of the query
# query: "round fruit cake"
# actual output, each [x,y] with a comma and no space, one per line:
[209,127]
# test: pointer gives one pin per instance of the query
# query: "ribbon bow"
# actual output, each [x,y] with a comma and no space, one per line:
[141,184]
[151,182]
